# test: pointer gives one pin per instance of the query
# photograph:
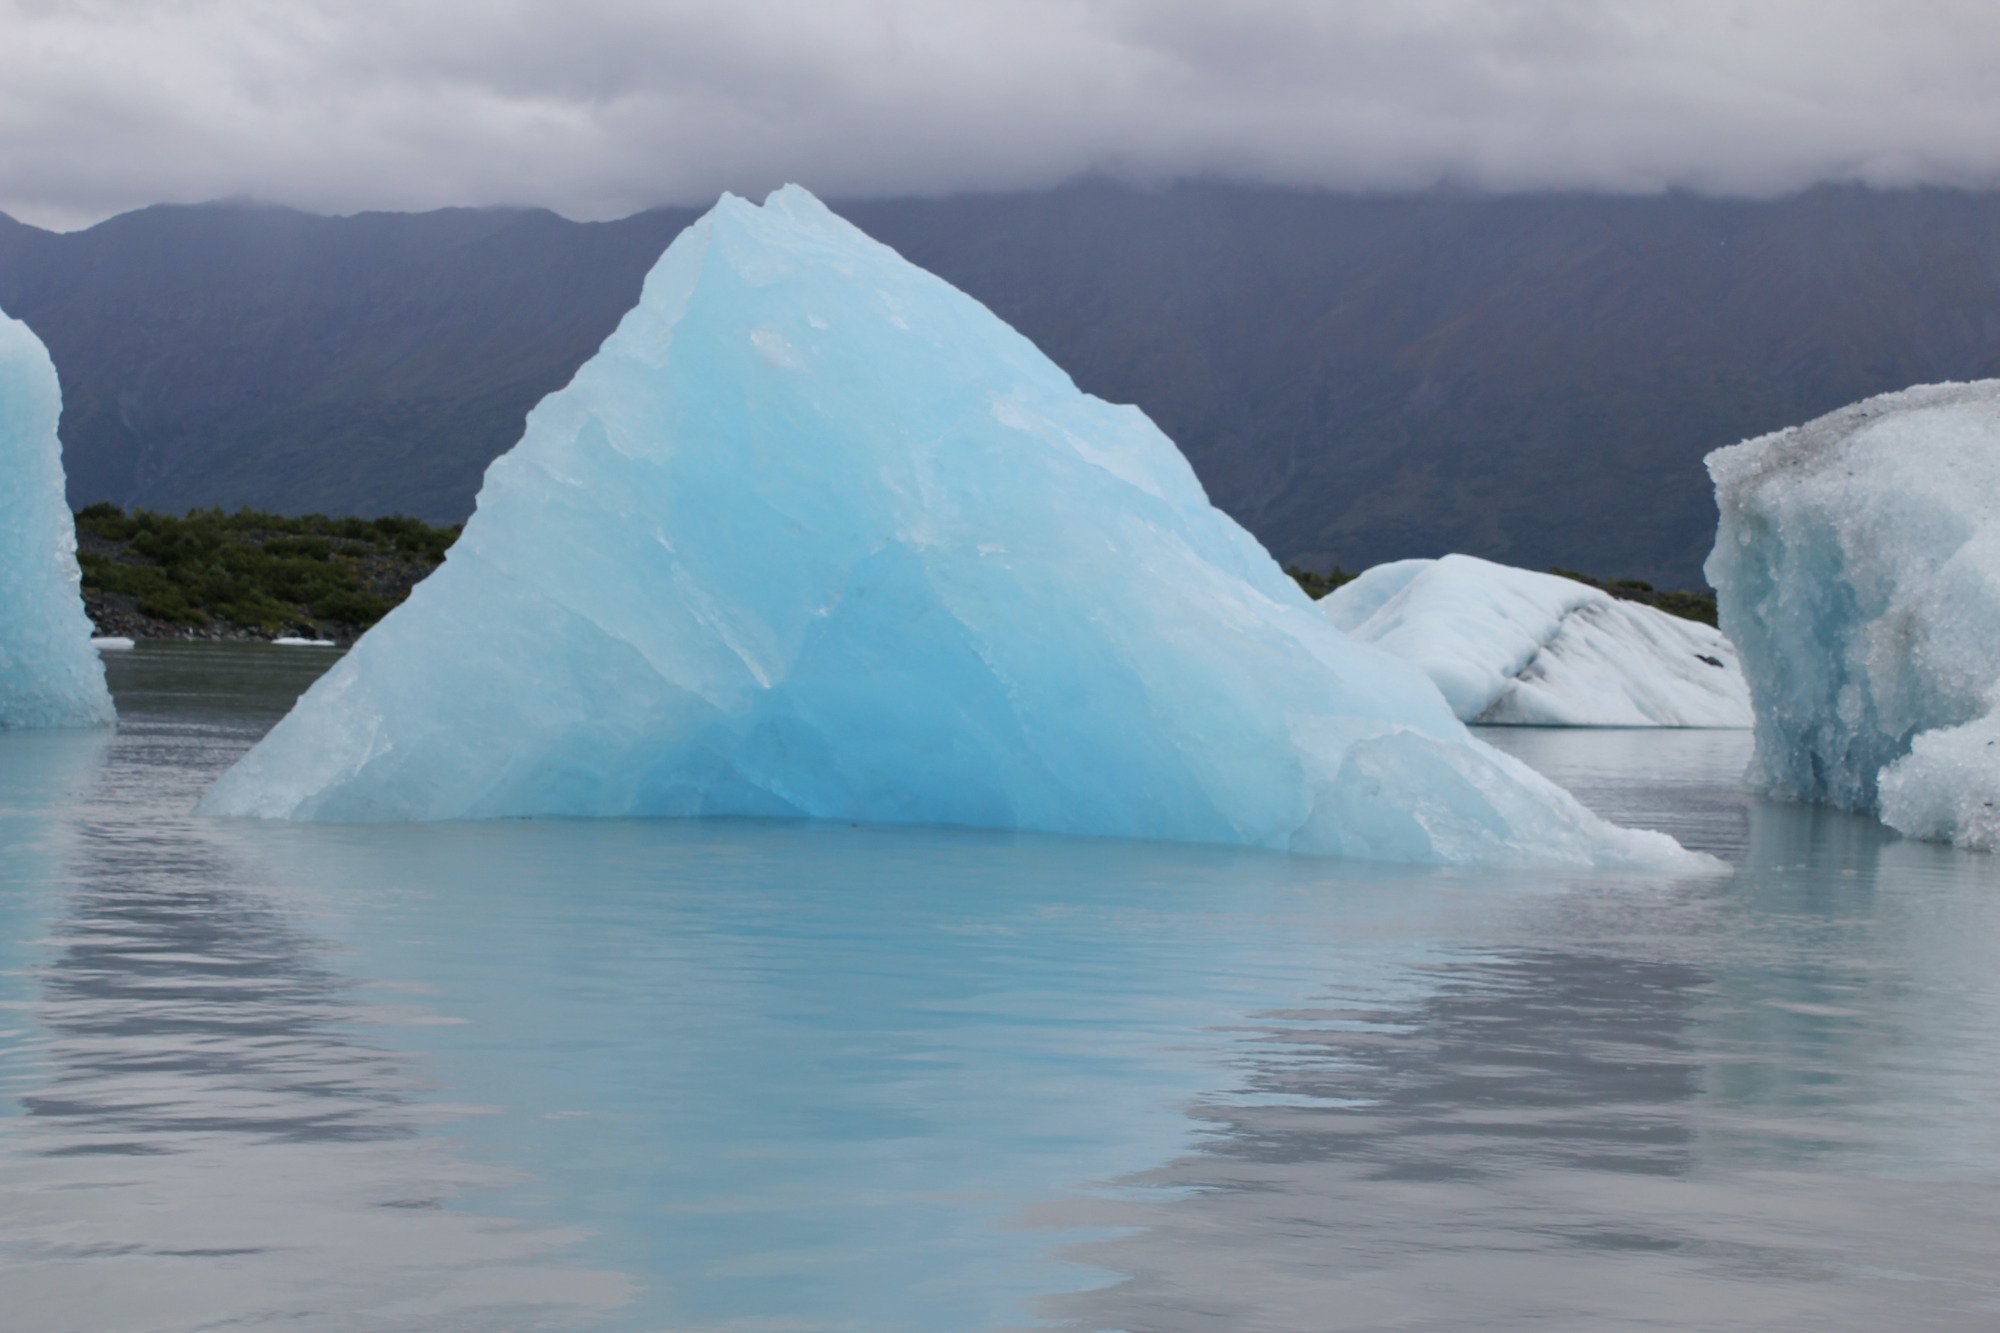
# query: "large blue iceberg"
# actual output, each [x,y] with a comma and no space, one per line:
[50,676]
[1857,567]
[815,534]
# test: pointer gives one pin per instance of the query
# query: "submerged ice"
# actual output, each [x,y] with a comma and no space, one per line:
[815,534]
[1858,569]
[1509,645]
[50,675]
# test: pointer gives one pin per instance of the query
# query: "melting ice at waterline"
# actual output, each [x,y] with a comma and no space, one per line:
[815,534]
[50,675]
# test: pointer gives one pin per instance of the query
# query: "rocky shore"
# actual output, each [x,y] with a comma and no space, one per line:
[119,616]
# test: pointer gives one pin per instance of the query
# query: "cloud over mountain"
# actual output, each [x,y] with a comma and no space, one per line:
[600,107]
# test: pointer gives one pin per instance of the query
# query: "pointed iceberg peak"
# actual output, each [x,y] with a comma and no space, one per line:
[790,216]
[799,207]
[50,675]
[798,202]
[816,535]
[788,204]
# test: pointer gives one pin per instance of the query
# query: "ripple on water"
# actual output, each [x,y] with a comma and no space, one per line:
[739,1075]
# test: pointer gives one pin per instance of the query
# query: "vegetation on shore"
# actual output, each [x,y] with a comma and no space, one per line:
[256,575]
[248,574]
[1685,603]
[1319,585]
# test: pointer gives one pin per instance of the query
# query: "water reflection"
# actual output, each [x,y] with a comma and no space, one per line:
[804,1077]
[197,1095]
[41,774]
[1752,1103]
[1408,1166]
[741,1076]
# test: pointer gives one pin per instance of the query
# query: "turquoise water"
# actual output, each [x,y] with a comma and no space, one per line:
[750,1076]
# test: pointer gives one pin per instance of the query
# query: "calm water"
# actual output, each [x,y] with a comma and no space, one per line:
[775,1077]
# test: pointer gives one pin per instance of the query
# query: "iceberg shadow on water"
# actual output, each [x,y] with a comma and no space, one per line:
[816,535]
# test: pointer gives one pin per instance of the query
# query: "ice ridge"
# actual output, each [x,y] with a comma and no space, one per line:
[1512,646]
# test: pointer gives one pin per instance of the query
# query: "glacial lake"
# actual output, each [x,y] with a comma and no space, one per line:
[758,1077]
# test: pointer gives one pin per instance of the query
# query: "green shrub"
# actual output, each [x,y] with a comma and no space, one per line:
[1316,585]
[1686,603]
[253,569]
[350,608]
[310,548]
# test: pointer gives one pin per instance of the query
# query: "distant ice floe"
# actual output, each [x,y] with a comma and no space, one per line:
[816,535]
[1858,568]
[49,675]
[289,642]
[1513,646]
[112,643]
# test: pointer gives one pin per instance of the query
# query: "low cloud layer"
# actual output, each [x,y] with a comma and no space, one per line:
[597,108]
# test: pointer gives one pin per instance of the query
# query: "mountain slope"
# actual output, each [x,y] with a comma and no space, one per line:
[1532,379]
[242,355]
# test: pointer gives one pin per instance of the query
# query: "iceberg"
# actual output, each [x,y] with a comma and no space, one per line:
[816,535]
[50,676]
[1857,566]
[1510,646]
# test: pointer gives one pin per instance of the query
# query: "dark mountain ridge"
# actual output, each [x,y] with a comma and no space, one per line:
[1356,378]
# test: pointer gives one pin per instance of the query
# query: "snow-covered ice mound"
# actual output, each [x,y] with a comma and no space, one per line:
[50,676]
[1509,645]
[815,534]
[1858,570]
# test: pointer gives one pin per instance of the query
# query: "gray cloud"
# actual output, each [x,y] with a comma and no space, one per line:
[600,107]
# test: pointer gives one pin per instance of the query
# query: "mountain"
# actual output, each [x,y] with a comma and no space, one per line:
[230,354]
[1533,379]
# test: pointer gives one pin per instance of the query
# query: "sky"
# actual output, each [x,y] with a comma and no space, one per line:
[599,108]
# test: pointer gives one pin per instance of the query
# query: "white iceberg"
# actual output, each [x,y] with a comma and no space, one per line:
[1858,569]
[1510,646]
[816,535]
[50,676]
[113,643]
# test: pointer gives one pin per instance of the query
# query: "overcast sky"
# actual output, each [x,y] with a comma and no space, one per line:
[597,108]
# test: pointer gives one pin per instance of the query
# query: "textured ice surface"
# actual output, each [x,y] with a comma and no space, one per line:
[1512,646]
[1858,570]
[815,534]
[50,675]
